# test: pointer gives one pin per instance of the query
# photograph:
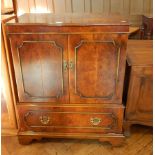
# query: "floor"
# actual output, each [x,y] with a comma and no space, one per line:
[140,143]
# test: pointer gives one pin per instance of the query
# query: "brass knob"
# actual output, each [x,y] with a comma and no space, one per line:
[95,120]
[44,119]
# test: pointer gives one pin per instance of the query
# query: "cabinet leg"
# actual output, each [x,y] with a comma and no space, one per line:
[114,141]
[126,127]
[25,140]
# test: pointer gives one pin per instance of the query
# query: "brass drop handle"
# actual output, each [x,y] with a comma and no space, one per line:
[44,119]
[95,120]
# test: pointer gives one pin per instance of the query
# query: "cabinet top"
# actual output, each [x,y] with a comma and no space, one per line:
[68,19]
[140,52]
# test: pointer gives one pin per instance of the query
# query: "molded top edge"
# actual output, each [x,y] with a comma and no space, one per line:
[68,19]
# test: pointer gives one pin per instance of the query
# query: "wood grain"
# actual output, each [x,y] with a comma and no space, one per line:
[139,105]
[94,78]
[45,59]
[71,119]
[49,80]
[71,19]
[140,142]
[140,52]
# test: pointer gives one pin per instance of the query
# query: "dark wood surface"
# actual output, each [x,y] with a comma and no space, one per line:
[139,106]
[140,142]
[14,2]
[68,23]
[38,62]
[98,68]
[140,52]
[74,65]
[68,19]
[147,24]
[71,119]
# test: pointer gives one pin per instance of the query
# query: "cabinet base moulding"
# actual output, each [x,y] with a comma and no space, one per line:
[114,139]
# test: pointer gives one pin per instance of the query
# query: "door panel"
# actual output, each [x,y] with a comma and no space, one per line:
[38,62]
[96,68]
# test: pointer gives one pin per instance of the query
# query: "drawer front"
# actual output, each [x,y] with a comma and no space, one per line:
[70,119]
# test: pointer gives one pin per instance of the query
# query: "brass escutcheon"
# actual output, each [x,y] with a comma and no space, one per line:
[95,120]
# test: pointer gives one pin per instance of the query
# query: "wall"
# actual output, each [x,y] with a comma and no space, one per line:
[6,4]
[128,7]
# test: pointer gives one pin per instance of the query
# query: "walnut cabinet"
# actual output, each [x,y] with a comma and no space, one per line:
[69,72]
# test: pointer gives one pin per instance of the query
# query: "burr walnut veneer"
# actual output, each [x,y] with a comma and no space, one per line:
[69,72]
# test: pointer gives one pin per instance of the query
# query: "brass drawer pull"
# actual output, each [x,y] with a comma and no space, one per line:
[44,119]
[95,120]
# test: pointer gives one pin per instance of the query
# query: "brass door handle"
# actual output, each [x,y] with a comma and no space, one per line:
[95,120]
[44,119]
[65,65]
[71,65]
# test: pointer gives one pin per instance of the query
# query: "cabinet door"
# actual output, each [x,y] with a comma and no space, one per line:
[97,63]
[140,95]
[39,63]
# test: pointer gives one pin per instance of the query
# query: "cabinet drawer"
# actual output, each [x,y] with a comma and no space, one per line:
[71,119]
